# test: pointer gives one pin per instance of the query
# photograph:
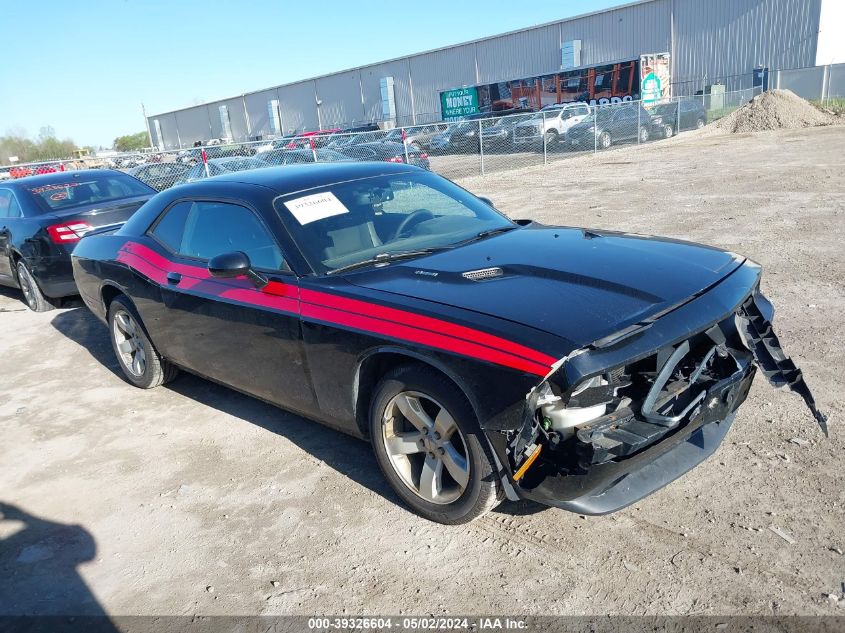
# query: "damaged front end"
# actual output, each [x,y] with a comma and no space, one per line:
[599,434]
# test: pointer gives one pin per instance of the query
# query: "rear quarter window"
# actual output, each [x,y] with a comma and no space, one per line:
[168,230]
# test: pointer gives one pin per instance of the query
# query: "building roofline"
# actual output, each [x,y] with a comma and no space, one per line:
[524,29]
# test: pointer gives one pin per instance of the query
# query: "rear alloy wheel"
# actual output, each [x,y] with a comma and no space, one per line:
[604,140]
[32,295]
[700,123]
[140,362]
[430,447]
[668,131]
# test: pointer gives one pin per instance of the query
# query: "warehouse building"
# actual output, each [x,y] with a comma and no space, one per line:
[681,47]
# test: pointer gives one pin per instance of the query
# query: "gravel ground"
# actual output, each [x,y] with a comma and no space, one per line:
[196,499]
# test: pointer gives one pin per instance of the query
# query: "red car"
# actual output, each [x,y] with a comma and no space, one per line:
[305,140]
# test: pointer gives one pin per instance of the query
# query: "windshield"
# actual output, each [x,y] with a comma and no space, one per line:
[93,189]
[351,222]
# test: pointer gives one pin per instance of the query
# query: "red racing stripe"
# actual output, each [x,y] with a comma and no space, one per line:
[424,322]
[423,337]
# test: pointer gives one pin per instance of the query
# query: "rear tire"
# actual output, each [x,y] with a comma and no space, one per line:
[139,360]
[34,299]
[605,141]
[430,447]
[700,123]
[644,135]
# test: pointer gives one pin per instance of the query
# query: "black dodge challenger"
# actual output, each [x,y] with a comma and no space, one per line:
[484,358]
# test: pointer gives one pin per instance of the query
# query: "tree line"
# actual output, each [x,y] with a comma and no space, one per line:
[46,146]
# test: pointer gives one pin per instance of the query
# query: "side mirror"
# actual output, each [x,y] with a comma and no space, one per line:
[235,264]
[486,201]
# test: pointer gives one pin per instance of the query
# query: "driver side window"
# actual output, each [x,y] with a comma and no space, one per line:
[202,230]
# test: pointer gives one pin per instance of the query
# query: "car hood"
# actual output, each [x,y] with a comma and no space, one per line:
[578,284]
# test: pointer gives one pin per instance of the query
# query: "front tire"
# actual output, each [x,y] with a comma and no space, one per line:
[605,141]
[430,447]
[34,299]
[139,360]
[668,131]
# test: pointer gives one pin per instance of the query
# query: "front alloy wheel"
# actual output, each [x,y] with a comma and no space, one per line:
[425,447]
[430,447]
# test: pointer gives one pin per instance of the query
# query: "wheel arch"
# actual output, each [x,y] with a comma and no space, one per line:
[108,292]
[376,362]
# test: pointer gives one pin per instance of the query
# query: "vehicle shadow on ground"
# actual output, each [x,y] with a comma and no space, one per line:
[81,326]
[347,455]
[39,559]
[15,297]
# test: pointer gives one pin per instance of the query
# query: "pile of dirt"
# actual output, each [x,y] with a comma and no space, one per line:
[774,110]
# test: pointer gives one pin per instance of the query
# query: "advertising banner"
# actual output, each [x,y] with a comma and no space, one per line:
[458,103]
[655,81]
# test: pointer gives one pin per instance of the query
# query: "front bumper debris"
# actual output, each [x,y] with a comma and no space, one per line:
[755,329]
[659,414]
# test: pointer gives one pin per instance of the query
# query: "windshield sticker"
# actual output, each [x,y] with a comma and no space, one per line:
[58,196]
[315,207]
[51,187]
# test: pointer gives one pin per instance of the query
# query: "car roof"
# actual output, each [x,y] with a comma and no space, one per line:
[59,177]
[292,178]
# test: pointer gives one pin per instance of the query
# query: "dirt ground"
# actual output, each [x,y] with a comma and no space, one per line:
[195,499]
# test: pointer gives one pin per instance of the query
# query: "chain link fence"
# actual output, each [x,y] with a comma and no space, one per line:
[478,145]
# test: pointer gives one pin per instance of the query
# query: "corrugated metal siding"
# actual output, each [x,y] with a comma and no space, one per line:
[193,125]
[524,54]
[620,34]
[721,39]
[441,70]
[341,97]
[257,109]
[370,78]
[299,107]
[713,38]
[169,131]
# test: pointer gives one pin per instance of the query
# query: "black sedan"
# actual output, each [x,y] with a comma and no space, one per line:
[686,114]
[483,358]
[609,125]
[42,218]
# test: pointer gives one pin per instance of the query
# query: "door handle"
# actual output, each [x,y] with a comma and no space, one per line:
[174,278]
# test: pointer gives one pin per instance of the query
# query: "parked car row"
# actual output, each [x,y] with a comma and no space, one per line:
[560,127]
[369,297]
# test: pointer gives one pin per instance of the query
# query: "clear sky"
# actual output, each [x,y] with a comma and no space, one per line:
[85,67]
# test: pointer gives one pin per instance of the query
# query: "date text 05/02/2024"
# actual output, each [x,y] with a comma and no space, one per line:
[415,623]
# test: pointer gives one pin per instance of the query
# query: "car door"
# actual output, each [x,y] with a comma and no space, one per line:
[575,115]
[228,329]
[10,212]
[625,124]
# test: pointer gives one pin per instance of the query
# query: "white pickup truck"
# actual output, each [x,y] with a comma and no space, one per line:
[550,124]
